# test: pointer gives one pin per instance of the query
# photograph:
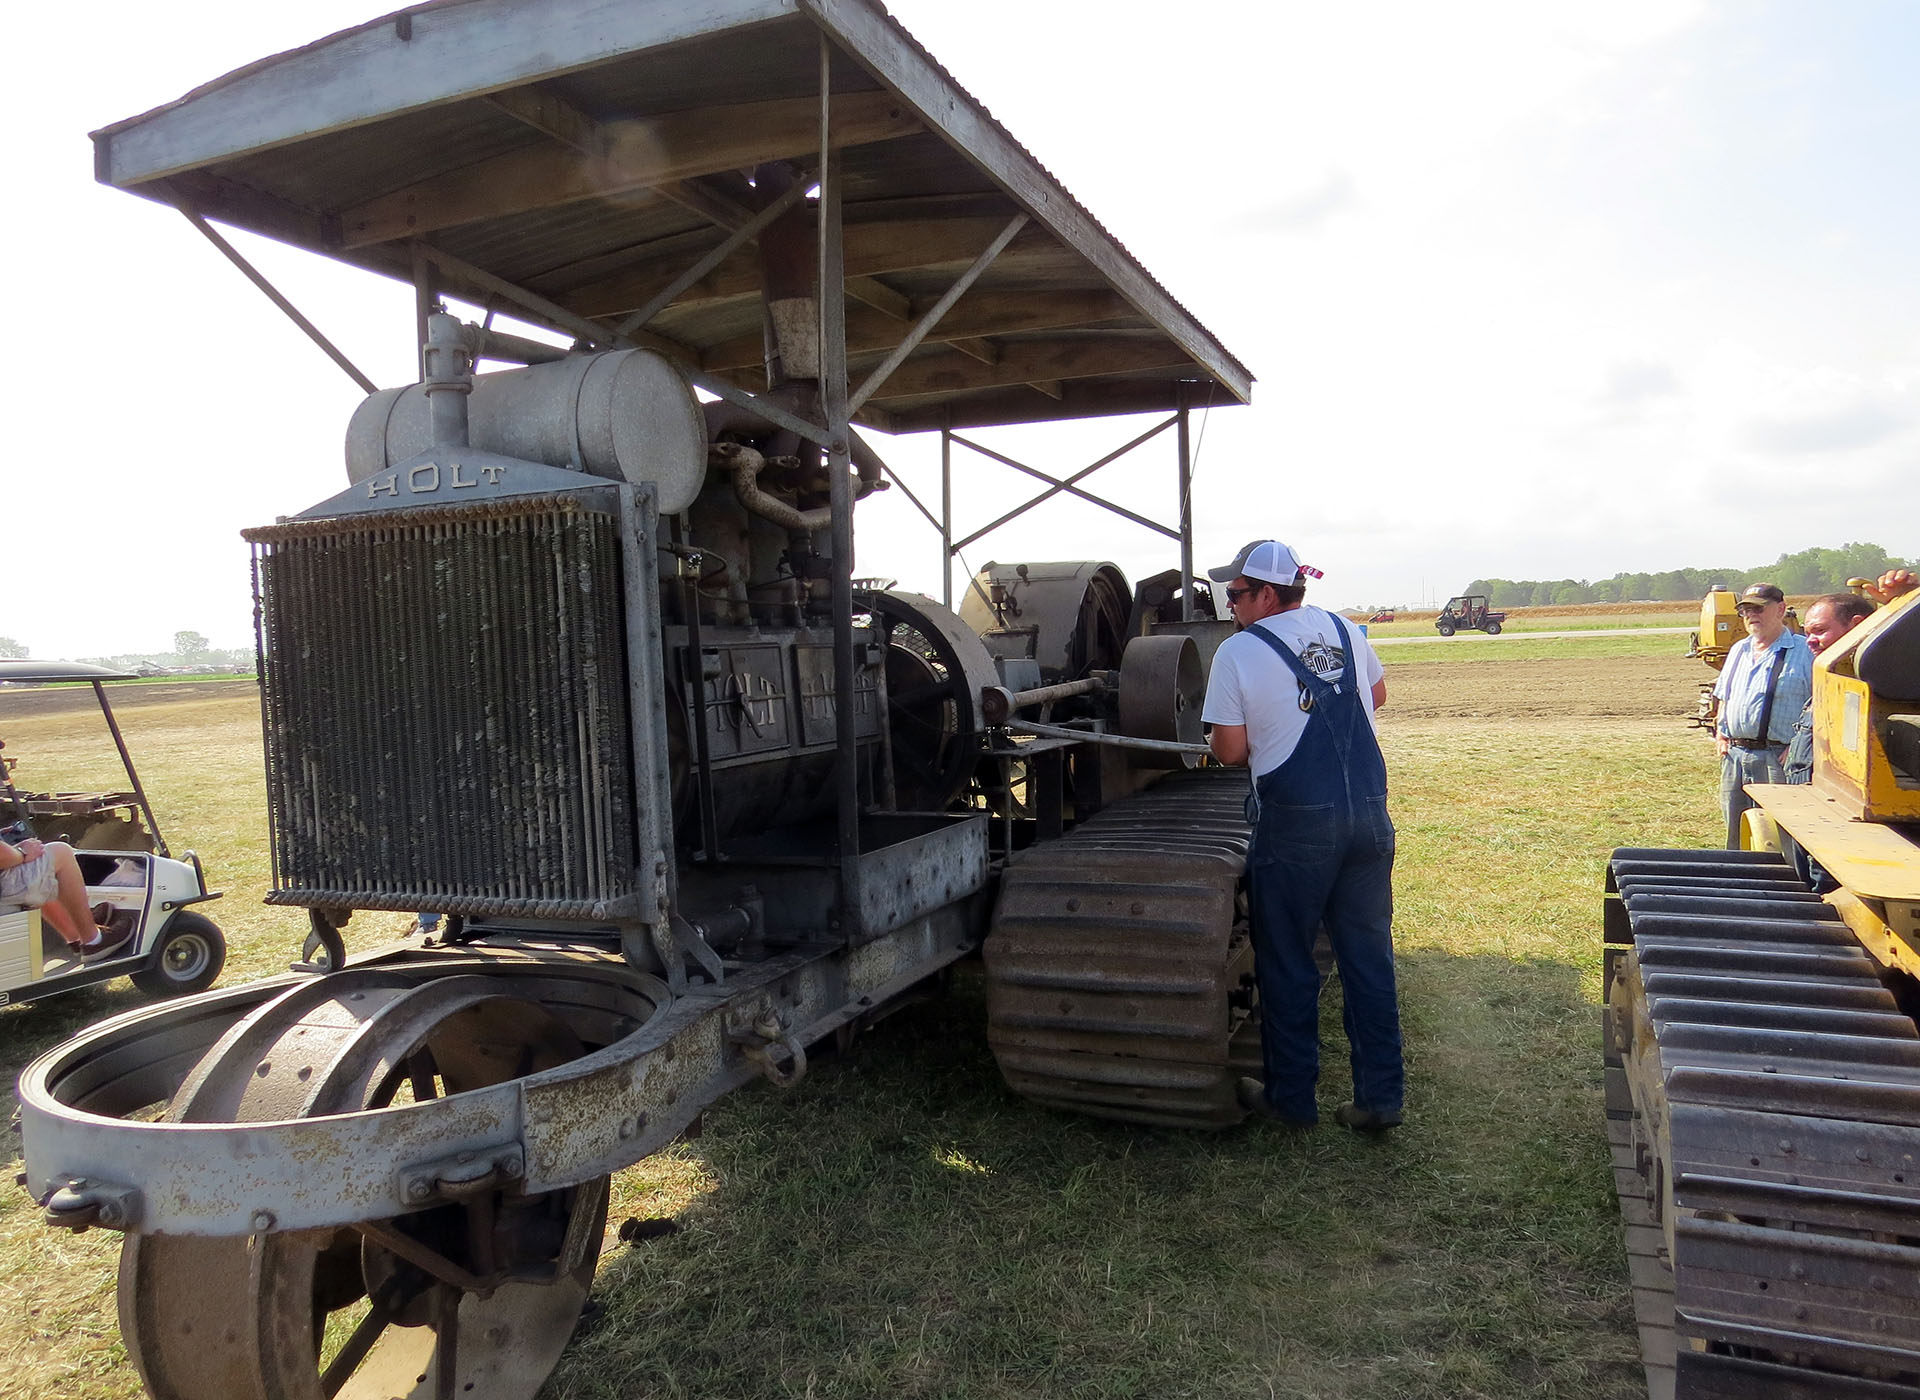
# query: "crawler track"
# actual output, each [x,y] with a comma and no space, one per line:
[1763,1092]
[1120,976]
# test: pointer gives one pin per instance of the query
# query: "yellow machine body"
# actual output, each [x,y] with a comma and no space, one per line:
[1719,627]
[1852,725]
[1844,818]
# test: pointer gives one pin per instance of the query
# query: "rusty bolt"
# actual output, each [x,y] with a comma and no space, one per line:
[262,1221]
[1138,907]
[1072,905]
[419,1188]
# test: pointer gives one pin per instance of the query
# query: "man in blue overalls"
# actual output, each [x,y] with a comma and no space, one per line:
[1292,696]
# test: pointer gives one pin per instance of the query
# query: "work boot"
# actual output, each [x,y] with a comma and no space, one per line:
[1367,1120]
[1252,1095]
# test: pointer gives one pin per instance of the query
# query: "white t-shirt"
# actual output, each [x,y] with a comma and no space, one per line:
[1252,686]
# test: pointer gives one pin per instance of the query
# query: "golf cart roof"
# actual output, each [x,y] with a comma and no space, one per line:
[44,672]
[587,154]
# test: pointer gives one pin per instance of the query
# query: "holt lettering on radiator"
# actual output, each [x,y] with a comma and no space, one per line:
[424,479]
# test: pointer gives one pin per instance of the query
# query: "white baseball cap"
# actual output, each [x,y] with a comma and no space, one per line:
[1266,560]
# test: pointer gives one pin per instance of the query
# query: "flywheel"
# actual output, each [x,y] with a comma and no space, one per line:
[936,669]
[473,1296]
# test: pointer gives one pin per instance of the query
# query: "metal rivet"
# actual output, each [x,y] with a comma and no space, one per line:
[419,1189]
[1785,1145]
[263,1068]
[626,1128]
[262,1220]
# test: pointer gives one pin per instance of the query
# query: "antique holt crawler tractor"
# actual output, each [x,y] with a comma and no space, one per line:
[577,660]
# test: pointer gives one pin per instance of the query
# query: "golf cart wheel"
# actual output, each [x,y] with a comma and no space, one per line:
[1446,628]
[189,955]
[1493,629]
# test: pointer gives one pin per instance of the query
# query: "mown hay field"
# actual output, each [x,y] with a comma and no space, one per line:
[902,1225]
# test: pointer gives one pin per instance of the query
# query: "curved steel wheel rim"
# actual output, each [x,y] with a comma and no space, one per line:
[247,1316]
[186,956]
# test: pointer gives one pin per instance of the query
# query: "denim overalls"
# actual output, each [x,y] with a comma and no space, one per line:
[1323,851]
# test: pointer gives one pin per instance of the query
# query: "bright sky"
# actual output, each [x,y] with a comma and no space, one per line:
[1530,289]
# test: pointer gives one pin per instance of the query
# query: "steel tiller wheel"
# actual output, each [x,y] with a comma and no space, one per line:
[473,1296]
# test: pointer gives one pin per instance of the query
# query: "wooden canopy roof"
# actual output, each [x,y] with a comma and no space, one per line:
[585,154]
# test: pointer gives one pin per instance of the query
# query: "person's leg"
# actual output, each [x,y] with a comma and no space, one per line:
[71,899]
[1360,927]
[1288,884]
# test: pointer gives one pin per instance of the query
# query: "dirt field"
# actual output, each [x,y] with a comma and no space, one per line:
[1645,687]
[24,702]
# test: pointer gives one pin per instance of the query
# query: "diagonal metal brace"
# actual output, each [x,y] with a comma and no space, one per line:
[940,308]
[665,297]
[274,295]
[1066,485]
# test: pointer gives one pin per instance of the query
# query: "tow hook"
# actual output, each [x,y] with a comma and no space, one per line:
[761,1044]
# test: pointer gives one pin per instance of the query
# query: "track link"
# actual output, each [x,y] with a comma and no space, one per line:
[1763,1092]
[1119,971]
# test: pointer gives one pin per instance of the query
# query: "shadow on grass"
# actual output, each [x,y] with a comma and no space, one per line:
[901,1224]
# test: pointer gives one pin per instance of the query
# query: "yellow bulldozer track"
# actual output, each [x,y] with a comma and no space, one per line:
[1763,1100]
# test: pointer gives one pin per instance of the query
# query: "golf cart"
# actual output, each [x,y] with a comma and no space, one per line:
[126,866]
[1468,613]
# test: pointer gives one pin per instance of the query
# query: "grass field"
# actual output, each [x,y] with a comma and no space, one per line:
[902,1225]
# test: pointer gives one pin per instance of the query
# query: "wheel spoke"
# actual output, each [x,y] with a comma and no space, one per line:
[358,1343]
[420,1073]
[446,1345]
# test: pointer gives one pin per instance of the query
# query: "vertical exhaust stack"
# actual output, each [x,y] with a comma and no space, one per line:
[448,380]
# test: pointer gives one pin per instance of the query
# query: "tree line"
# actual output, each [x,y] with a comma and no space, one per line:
[1808,571]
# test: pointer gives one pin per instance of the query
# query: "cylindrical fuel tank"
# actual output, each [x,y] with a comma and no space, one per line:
[627,415]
